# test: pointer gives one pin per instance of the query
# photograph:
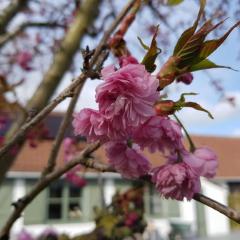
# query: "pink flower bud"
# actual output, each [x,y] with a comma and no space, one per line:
[186,78]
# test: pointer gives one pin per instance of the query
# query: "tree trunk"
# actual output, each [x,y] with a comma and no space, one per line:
[9,13]
[61,63]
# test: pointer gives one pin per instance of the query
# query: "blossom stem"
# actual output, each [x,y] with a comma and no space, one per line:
[192,145]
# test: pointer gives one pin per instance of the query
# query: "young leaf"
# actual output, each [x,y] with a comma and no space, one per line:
[197,107]
[182,97]
[190,52]
[152,53]
[174,2]
[187,34]
[206,64]
[210,46]
[145,46]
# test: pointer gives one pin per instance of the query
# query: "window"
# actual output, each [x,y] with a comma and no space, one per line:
[55,205]
[158,206]
[66,202]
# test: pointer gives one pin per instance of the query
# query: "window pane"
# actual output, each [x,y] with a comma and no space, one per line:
[156,205]
[56,190]
[54,211]
[74,210]
[74,191]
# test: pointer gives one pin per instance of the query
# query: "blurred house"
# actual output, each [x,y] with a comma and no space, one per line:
[69,209]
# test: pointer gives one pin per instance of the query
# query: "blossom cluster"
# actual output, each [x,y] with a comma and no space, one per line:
[126,124]
[70,150]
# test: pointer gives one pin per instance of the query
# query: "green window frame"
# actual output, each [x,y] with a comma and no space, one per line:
[67,203]
[159,207]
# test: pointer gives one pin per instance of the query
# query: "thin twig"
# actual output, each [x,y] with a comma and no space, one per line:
[10,35]
[21,204]
[225,210]
[60,134]
[66,120]
[191,143]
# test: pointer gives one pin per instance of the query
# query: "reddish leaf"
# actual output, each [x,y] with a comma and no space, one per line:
[197,107]
[210,46]
[187,34]
[152,53]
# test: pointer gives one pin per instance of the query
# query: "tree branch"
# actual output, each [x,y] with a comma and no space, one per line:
[225,210]
[66,120]
[21,204]
[9,13]
[9,36]
[60,134]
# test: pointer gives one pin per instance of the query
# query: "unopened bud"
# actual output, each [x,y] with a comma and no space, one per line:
[165,107]
[185,78]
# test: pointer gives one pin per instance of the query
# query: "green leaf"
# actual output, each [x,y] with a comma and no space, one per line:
[187,34]
[174,2]
[145,46]
[197,107]
[181,103]
[206,64]
[182,97]
[152,53]
[210,46]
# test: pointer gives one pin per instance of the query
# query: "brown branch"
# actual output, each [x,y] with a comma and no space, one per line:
[10,35]
[60,134]
[66,120]
[10,12]
[21,204]
[225,210]
[159,15]
[61,62]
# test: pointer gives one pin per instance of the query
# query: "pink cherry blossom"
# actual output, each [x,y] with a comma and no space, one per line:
[159,133]
[129,161]
[24,235]
[3,121]
[75,179]
[70,151]
[23,59]
[203,160]
[209,159]
[176,181]
[90,124]
[186,78]
[94,126]
[127,95]
[125,60]
[131,218]
[48,233]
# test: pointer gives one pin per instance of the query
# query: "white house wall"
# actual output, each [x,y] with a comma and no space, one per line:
[19,190]
[216,223]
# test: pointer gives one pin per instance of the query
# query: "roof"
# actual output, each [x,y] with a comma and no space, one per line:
[227,149]
[51,122]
